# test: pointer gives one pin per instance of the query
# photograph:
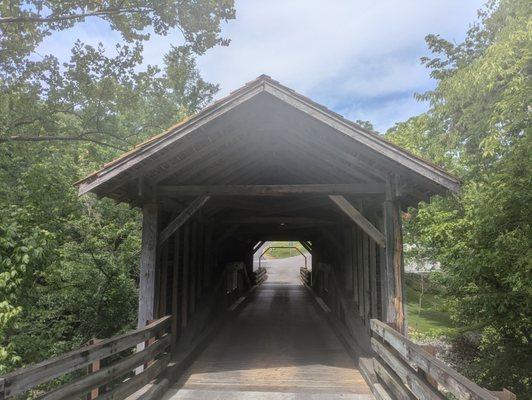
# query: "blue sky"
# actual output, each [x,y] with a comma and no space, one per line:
[357,57]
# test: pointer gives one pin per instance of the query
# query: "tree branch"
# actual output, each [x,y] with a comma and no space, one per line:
[52,18]
[57,139]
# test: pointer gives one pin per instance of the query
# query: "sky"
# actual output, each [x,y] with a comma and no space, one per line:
[360,58]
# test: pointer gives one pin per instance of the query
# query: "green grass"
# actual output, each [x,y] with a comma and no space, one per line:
[284,253]
[432,319]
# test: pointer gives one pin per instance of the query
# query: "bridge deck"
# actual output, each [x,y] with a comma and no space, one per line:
[277,348]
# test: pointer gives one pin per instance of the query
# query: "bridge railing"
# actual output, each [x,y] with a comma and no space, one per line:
[123,369]
[407,371]
[305,276]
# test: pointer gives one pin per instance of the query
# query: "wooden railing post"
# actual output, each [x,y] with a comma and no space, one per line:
[149,342]
[2,389]
[94,367]
[432,351]
[100,373]
[399,355]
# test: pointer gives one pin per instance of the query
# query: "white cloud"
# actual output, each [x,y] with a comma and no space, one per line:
[352,55]
[307,42]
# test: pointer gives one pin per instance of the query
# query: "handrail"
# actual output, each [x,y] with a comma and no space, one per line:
[408,369]
[282,247]
[305,276]
[25,379]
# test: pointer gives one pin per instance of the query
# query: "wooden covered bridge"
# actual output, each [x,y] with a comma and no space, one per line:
[264,163]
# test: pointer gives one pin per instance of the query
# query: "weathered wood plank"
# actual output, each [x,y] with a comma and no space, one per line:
[163,281]
[207,256]
[421,389]
[175,288]
[367,139]
[373,278]
[114,371]
[93,367]
[460,386]
[354,257]
[359,219]
[367,295]
[392,381]
[24,379]
[131,385]
[179,132]
[395,313]
[504,394]
[183,216]
[271,190]
[360,272]
[148,260]
[278,220]
[193,270]
[185,282]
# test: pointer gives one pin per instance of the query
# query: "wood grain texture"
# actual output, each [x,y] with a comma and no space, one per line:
[357,217]
[270,190]
[21,380]
[148,260]
[183,217]
[457,384]
[277,345]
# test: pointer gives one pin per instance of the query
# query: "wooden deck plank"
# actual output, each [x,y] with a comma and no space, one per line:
[277,348]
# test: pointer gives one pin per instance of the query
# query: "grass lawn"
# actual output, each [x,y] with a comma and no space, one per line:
[432,319]
[284,253]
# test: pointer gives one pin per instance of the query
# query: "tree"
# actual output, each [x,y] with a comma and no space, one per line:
[69,265]
[39,92]
[478,126]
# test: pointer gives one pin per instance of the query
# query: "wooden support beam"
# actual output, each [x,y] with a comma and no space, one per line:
[306,246]
[185,280]
[394,270]
[359,219]
[278,220]
[175,289]
[271,190]
[257,245]
[366,243]
[207,256]
[360,271]
[148,261]
[355,232]
[182,218]
[373,278]
[163,282]
[193,270]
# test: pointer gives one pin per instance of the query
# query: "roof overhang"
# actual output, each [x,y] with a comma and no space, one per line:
[347,138]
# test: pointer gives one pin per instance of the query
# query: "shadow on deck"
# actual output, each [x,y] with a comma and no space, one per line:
[278,347]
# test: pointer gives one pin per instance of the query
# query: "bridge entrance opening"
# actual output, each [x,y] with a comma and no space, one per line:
[283,261]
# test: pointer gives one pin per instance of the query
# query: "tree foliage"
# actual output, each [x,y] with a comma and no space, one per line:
[68,265]
[478,126]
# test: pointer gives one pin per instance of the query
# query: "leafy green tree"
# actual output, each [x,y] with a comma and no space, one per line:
[478,126]
[69,265]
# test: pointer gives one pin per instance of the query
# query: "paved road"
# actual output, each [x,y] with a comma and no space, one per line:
[278,348]
[285,270]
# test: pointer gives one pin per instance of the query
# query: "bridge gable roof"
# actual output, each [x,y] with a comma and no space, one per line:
[266,129]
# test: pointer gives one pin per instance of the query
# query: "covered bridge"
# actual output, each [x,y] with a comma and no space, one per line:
[266,163]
